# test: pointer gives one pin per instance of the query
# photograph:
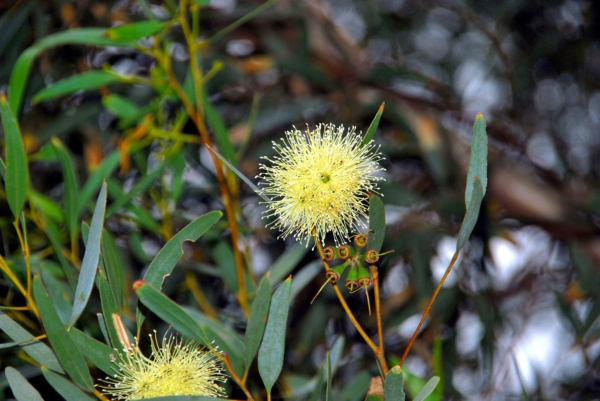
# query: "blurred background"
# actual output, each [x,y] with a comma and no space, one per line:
[518,316]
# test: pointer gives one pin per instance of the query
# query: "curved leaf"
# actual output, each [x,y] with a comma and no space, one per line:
[21,388]
[85,81]
[373,127]
[136,30]
[427,389]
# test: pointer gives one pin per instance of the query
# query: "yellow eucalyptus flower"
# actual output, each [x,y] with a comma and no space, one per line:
[320,180]
[173,368]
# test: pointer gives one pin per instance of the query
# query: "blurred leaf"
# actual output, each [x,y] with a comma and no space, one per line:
[64,387]
[17,178]
[305,276]
[58,296]
[100,354]
[71,187]
[394,385]
[85,36]
[220,130]
[68,121]
[37,350]
[257,321]
[201,2]
[471,216]
[54,236]
[21,388]
[329,377]
[285,263]
[140,216]
[373,127]
[120,106]
[46,206]
[188,398]
[376,223]
[270,354]
[427,389]
[89,265]
[66,350]
[167,257]
[84,81]
[136,30]
[2,169]
[115,270]
[140,187]
[104,170]
[478,161]
[223,255]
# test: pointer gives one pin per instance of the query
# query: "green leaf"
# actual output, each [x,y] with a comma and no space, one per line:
[84,81]
[257,321]
[141,186]
[188,398]
[478,162]
[66,350]
[427,389]
[329,376]
[109,308]
[376,223]
[285,263]
[270,354]
[60,299]
[37,350]
[64,387]
[120,106]
[471,216]
[71,186]
[2,170]
[108,165]
[394,382]
[17,178]
[100,354]
[136,30]
[21,388]
[165,260]
[46,206]
[20,71]
[373,127]
[115,270]
[89,265]
[220,130]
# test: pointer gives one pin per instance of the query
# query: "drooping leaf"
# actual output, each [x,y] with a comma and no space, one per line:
[270,354]
[136,30]
[257,321]
[165,260]
[478,161]
[21,388]
[84,81]
[66,350]
[91,257]
[16,176]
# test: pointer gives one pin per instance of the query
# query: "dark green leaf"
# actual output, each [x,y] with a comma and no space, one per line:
[329,376]
[60,299]
[257,321]
[71,187]
[373,127]
[20,72]
[115,270]
[478,162]
[427,389]
[17,178]
[109,308]
[165,261]
[394,382]
[270,354]
[89,265]
[64,387]
[21,388]
[66,350]
[471,216]
[37,350]
[101,355]
[141,186]
[376,223]
[285,263]
[136,30]
[120,106]
[108,165]
[220,130]
[84,81]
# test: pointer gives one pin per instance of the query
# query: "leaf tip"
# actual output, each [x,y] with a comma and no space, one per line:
[3,97]
[381,108]
[479,116]
[138,284]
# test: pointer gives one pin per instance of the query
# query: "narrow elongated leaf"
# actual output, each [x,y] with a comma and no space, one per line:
[21,388]
[285,263]
[257,321]
[84,81]
[91,256]
[16,177]
[46,206]
[373,127]
[478,161]
[270,354]
[394,383]
[120,106]
[329,375]
[37,350]
[188,398]
[115,270]
[20,71]
[66,350]
[376,223]
[71,187]
[109,308]
[2,170]
[141,186]
[136,30]
[220,130]
[108,165]
[64,387]
[427,389]
[165,260]
[471,216]
[101,355]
